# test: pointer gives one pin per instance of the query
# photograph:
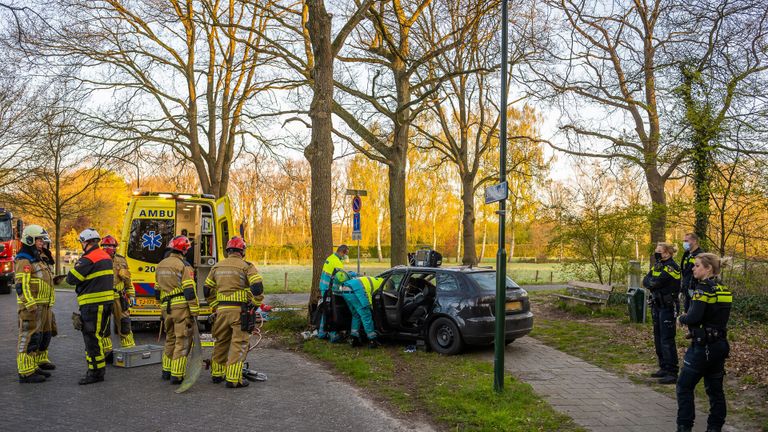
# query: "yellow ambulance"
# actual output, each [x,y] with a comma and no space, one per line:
[152,220]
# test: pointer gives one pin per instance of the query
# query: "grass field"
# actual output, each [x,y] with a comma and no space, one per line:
[299,276]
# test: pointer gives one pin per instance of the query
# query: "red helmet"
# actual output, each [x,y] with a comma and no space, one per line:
[180,244]
[109,244]
[236,243]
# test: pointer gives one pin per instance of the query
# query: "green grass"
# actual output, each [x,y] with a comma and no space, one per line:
[456,392]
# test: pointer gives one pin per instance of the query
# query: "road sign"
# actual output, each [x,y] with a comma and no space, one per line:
[361,192]
[357,235]
[356,222]
[497,192]
[357,204]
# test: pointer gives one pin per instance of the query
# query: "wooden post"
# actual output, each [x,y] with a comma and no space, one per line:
[285,283]
[550,276]
[536,278]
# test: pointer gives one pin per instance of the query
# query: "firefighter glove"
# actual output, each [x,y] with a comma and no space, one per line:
[77,321]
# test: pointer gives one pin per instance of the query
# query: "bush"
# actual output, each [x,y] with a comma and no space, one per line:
[751,307]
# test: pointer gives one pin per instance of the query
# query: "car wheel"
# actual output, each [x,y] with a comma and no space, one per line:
[508,341]
[444,337]
[5,288]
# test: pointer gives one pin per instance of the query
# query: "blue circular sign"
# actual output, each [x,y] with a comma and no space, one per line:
[356,204]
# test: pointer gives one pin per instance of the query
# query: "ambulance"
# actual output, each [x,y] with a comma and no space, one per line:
[151,221]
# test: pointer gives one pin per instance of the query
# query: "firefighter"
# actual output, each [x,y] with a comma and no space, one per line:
[664,283]
[34,287]
[234,288]
[49,330]
[175,288]
[358,294]
[707,321]
[125,297]
[333,263]
[93,279]
[688,283]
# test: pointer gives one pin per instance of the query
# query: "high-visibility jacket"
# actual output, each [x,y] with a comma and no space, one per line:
[93,277]
[234,280]
[122,276]
[710,306]
[332,263]
[176,283]
[34,281]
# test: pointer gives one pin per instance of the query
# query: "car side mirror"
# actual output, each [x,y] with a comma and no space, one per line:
[19,228]
[2,247]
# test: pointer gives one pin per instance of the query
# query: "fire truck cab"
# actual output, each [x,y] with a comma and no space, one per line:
[9,245]
[151,221]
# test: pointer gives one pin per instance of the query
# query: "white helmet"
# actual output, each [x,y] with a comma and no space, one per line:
[89,234]
[32,232]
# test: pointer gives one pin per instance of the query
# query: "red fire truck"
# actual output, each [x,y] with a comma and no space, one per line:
[9,245]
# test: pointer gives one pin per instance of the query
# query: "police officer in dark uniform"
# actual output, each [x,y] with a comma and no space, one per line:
[687,284]
[707,321]
[664,283]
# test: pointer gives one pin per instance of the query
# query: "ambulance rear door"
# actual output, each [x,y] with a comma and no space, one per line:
[152,226]
[224,229]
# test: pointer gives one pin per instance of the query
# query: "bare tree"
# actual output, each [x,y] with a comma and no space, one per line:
[601,66]
[723,79]
[58,185]
[176,78]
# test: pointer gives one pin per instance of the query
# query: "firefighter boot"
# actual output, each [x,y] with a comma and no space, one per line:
[242,383]
[45,374]
[92,376]
[176,380]
[166,375]
[43,362]
[31,379]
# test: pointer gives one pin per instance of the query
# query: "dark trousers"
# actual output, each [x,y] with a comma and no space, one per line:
[664,337]
[95,327]
[706,362]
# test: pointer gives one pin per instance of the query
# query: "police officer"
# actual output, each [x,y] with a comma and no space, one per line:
[358,295]
[34,288]
[707,321]
[125,297]
[664,283]
[234,288]
[333,263]
[93,279]
[687,284]
[175,288]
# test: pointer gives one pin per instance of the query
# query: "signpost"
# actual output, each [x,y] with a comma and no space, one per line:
[357,204]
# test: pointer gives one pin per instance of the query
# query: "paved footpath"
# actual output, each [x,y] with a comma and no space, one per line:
[596,399]
[298,396]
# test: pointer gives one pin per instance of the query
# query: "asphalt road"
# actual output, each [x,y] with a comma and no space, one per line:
[298,396]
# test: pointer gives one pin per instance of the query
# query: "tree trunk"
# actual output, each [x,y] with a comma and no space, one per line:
[397,226]
[57,254]
[319,152]
[434,229]
[485,238]
[658,216]
[468,220]
[458,243]
[379,221]
[701,180]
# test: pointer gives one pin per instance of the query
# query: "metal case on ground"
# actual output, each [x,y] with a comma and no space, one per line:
[139,355]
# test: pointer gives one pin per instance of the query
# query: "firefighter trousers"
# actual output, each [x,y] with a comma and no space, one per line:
[29,341]
[231,345]
[178,339]
[95,328]
[122,322]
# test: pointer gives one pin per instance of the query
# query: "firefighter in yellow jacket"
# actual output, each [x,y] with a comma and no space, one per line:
[124,297]
[175,288]
[233,288]
[34,293]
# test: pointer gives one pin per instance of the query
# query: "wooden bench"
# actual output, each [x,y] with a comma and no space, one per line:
[588,293]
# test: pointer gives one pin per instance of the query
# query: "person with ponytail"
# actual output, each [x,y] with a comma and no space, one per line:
[707,321]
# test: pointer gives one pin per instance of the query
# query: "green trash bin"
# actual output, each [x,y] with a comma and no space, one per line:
[636,304]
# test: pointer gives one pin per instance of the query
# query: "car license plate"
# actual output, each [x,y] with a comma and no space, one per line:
[514,306]
[144,301]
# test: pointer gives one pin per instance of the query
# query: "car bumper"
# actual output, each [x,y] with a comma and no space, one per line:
[7,277]
[482,330]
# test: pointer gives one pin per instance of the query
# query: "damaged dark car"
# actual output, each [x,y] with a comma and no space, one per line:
[448,308]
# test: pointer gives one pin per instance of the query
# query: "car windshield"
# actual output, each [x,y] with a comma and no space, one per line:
[487,281]
[6,230]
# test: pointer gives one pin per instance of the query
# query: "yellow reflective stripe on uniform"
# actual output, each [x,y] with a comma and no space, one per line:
[672,272]
[97,297]
[77,275]
[210,282]
[655,273]
[94,275]
[237,296]
[188,283]
[252,279]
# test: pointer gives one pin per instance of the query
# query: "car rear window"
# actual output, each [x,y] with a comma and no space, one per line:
[487,281]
